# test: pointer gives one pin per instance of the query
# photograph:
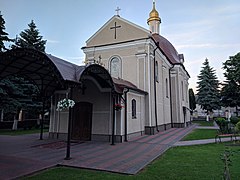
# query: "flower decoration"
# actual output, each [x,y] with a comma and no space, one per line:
[118,107]
[65,104]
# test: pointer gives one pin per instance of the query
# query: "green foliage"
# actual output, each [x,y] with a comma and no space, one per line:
[237,127]
[230,94]
[208,93]
[231,88]
[30,38]
[234,120]
[223,124]
[17,94]
[232,68]
[225,157]
[3,34]
[192,101]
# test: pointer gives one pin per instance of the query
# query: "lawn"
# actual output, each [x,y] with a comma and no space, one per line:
[20,131]
[201,134]
[188,162]
[204,123]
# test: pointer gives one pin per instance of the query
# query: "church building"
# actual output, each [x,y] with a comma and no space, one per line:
[134,82]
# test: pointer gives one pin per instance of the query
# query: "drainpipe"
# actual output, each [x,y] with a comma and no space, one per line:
[113,119]
[155,91]
[125,114]
[170,91]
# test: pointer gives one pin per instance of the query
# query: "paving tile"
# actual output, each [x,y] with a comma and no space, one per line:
[26,154]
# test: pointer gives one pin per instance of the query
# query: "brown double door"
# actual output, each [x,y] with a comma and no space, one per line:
[82,121]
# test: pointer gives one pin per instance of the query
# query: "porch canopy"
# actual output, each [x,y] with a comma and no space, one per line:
[48,72]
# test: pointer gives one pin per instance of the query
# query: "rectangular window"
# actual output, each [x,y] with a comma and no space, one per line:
[134,109]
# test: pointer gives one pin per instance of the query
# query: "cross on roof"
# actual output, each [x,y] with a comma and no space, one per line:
[117,10]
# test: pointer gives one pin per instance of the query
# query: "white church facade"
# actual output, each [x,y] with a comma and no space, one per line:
[134,83]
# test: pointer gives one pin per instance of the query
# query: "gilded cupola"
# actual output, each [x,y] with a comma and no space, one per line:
[154,20]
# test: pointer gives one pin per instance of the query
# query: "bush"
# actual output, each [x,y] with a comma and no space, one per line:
[220,121]
[223,124]
[237,127]
[234,120]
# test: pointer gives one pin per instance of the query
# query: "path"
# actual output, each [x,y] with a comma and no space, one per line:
[26,154]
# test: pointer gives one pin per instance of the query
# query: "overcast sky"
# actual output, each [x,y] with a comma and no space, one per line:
[197,28]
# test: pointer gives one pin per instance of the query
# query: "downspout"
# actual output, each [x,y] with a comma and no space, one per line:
[113,119]
[125,115]
[155,91]
[170,91]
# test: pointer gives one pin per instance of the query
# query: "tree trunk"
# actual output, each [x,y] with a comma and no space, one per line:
[2,115]
[15,123]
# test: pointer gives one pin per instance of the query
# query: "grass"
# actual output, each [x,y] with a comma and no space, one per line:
[20,131]
[204,123]
[188,162]
[198,134]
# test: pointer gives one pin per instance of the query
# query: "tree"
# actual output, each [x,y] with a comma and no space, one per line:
[3,34]
[30,38]
[230,95]
[232,68]
[231,88]
[16,93]
[192,101]
[208,92]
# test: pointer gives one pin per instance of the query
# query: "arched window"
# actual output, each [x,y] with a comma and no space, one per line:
[134,109]
[115,67]
[167,88]
[156,71]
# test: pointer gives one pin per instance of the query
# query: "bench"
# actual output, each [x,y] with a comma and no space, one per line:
[219,136]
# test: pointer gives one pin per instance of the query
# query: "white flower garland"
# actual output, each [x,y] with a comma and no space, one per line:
[65,104]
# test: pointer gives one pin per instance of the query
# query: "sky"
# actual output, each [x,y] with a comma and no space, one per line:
[198,29]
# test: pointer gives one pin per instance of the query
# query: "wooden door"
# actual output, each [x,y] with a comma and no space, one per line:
[82,121]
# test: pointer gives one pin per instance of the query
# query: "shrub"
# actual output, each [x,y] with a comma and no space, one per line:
[223,124]
[237,127]
[234,120]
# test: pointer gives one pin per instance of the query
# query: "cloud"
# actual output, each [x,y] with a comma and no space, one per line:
[208,45]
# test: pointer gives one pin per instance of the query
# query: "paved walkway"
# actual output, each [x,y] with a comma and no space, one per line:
[26,154]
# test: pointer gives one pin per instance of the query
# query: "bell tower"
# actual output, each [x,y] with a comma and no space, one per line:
[154,20]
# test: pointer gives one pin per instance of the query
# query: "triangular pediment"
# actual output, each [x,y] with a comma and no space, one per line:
[117,30]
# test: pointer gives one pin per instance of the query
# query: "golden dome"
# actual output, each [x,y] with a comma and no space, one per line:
[153,15]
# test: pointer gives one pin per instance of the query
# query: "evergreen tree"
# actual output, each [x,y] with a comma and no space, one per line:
[192,101]
[3,34]
[30,38]
[208,93]
[17,93]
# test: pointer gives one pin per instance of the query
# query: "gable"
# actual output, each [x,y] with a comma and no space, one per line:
[117,30]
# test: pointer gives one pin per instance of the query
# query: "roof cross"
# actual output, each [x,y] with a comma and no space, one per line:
[117,10]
